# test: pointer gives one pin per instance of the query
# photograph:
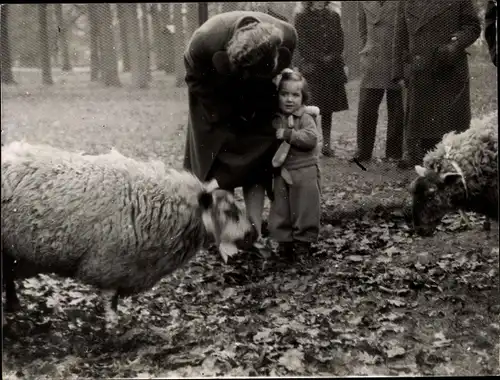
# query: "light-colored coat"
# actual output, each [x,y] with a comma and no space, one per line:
[376,29]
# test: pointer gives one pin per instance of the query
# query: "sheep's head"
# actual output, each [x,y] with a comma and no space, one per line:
[434,195]
[226,222]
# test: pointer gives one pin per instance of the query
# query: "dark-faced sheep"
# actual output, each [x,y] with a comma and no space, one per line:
[461,173]
[109,221]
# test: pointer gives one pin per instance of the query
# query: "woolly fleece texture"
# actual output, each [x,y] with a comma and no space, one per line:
[107,220]
[475,151]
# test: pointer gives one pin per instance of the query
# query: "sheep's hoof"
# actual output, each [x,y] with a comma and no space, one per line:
[487,225]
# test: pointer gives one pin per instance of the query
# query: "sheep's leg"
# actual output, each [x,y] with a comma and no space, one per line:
[487,224]
[110,299]
[11,299]
[465,218]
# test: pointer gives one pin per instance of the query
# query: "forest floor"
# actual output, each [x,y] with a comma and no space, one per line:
[374,299]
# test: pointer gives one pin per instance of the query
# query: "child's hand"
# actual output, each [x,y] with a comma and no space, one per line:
[280,133]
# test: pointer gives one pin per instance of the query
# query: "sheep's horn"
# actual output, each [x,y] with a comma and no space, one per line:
[460,173]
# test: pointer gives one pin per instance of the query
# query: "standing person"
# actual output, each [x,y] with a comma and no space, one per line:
[490,29]
[321,45]
[429,55]
[230,62]
[376,29]
[294,217]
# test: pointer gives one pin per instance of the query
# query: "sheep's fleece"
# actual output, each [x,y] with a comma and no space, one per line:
[107,220]
[475,151]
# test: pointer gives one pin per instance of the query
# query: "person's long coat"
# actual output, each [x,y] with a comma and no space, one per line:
[219,101]
[438,96]
[320,34]
[376,29]
[490,29]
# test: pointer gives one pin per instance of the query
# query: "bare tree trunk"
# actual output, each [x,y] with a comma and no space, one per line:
[179,44]
[123,37]
[158,42]
[168,38]
[353,42]
[146,41]
[109,63]
[6,60]
[139,75]
[63,37]
[44,45]
[202,13]
[192,19]
[94,42]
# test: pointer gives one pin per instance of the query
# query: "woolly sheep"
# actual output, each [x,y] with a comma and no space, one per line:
[461,173]
[107,220]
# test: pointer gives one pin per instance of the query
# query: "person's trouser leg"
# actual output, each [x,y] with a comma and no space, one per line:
[305,204]
[369,103]
[429,144]
[254,197]
[280,226]
[395,124]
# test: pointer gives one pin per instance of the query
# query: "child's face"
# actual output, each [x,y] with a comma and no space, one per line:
[290,96]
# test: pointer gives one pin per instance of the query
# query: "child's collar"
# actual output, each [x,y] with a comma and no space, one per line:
[298,113]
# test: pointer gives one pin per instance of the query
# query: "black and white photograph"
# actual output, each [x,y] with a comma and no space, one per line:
[249,189]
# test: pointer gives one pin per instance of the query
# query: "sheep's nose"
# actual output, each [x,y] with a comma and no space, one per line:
[250,237]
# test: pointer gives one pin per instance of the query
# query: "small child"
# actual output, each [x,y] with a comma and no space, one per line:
[294,217]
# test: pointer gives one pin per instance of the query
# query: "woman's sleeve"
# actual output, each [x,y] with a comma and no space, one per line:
[204,84]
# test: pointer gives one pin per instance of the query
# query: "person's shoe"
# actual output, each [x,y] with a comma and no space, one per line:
[302,248]
[327,151]
[286,251]
[360,159]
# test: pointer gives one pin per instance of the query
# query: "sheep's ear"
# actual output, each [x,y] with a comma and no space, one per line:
[421,171]
[205,200]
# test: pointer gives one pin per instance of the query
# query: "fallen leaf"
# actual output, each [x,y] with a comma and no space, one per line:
[395,351]
[355,258]
[292,360]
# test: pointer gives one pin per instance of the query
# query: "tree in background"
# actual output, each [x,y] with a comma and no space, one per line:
[93,18]
[167,37]
[124,48]
[146,43]
[136,48]
[109,59]
[158,42]
[62,37]
[179,46]
[44,45]
[6,60]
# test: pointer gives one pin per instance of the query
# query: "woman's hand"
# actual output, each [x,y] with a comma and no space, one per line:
[280,133]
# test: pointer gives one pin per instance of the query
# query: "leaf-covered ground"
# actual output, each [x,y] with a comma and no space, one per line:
[374,299]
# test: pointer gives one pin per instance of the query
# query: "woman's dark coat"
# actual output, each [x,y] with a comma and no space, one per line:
[320,35]
[230,135]
[435,67]
[490,29]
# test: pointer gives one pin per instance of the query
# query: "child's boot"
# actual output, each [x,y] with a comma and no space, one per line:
[286,251]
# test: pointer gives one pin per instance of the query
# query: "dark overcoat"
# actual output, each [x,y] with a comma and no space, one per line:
[320,34]
[376,29]
[490,29]
[230,135]
[438,98]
